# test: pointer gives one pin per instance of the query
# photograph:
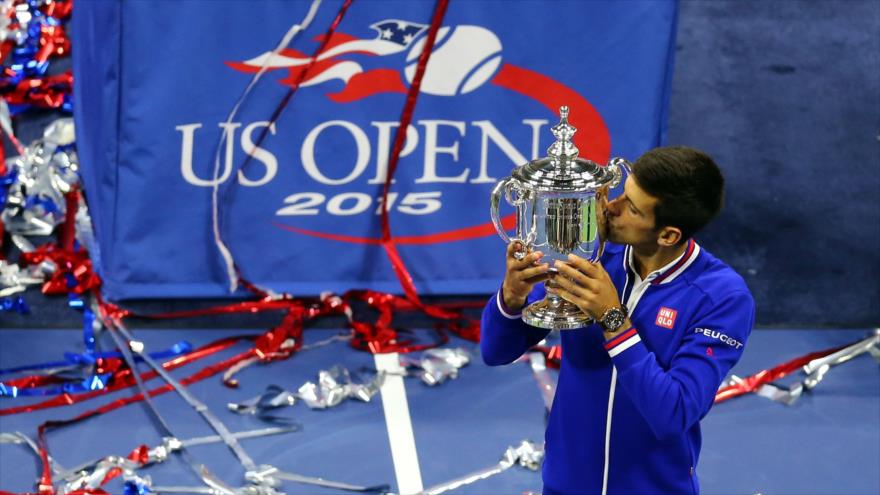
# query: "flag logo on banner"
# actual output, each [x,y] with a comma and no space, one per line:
[464,58]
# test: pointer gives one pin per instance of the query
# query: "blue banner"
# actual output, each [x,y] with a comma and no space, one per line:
[155,82]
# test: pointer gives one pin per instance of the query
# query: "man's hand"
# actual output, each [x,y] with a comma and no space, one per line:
[521,276]
[588,286]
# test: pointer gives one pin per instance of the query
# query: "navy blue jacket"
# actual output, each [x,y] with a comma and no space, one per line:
[626,416]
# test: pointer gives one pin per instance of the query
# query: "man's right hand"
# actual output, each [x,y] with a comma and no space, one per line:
[521,275]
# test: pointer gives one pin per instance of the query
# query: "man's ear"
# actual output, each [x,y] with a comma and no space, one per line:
[669,236]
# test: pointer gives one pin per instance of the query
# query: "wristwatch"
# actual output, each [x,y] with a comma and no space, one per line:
[614,318]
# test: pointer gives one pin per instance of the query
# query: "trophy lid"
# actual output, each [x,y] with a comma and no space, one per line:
[562,170]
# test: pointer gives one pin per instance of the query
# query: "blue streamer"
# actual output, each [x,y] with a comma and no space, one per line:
[88,329]
[48,205]
[94,382]
[5,181]
[75,359]
[133,488]
[14,304]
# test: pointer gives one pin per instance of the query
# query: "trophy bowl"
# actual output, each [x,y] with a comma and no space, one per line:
[558,202]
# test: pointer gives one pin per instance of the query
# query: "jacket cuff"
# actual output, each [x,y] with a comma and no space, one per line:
[626,349]
[505,311]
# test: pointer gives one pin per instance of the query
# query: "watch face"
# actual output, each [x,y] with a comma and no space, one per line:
[613,319]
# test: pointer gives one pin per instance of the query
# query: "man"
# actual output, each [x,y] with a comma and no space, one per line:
[673,320]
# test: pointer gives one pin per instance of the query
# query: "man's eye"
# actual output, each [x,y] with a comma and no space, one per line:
[632,209]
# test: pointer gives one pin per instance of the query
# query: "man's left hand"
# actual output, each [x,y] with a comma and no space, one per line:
[586,285]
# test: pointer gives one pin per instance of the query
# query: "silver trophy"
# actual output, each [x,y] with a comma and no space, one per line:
[558,201]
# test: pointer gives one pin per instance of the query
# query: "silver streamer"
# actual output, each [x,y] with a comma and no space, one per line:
[435,366]
[273,398]
[14,279]
[90,480]
[77,477]
[5,117]
[44,173]
[22,15]
[85,232]
[527,454]
[816,370]
[337,384]
[332,388]
[224,251]
[272,472]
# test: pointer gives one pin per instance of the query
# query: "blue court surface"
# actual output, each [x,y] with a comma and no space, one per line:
[826,443]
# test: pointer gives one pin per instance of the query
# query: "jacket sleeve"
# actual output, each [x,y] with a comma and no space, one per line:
[503,335]
[673,400]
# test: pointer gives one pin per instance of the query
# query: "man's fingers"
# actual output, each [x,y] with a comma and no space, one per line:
[569,285]
[578,276]
[513,247]
[582,265]
[534,271]
[516,250]
[538,278]
[527,262]
[568,296]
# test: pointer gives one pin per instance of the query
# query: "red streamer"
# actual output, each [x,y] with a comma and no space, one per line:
[750,384]
[53,43]
[75,263]
[412,96]
[552,355]
[59,9]
[123,377]
[140,455]
[67,231]
[41,92]
[762,377]
[383,337]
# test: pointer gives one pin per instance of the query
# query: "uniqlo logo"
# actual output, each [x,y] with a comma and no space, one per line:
[666,318]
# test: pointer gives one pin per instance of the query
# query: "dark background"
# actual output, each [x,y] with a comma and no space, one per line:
[785,95]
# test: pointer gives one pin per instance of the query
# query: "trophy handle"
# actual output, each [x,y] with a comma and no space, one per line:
[513,193]
[620,169]
[495,205]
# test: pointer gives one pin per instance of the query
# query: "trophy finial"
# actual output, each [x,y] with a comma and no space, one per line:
[563,150]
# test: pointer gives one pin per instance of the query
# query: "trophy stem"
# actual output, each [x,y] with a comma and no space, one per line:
[555,313]
[554,301]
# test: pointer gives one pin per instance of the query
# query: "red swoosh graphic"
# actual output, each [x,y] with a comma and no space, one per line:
[368,84]
[593,140]
[473,232]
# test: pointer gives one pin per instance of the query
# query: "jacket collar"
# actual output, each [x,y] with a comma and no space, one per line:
[669,272]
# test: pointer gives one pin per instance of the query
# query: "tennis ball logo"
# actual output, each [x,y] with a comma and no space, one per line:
[464,58]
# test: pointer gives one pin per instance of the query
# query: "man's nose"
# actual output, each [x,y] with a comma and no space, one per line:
[614,207]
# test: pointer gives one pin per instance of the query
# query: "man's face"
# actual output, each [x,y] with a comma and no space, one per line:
[630,216]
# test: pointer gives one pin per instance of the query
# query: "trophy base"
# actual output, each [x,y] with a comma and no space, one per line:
[555,314]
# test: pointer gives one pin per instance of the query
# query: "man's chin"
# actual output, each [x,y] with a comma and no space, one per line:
[612,236]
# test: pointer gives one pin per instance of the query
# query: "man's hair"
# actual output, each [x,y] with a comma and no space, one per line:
[687,183]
